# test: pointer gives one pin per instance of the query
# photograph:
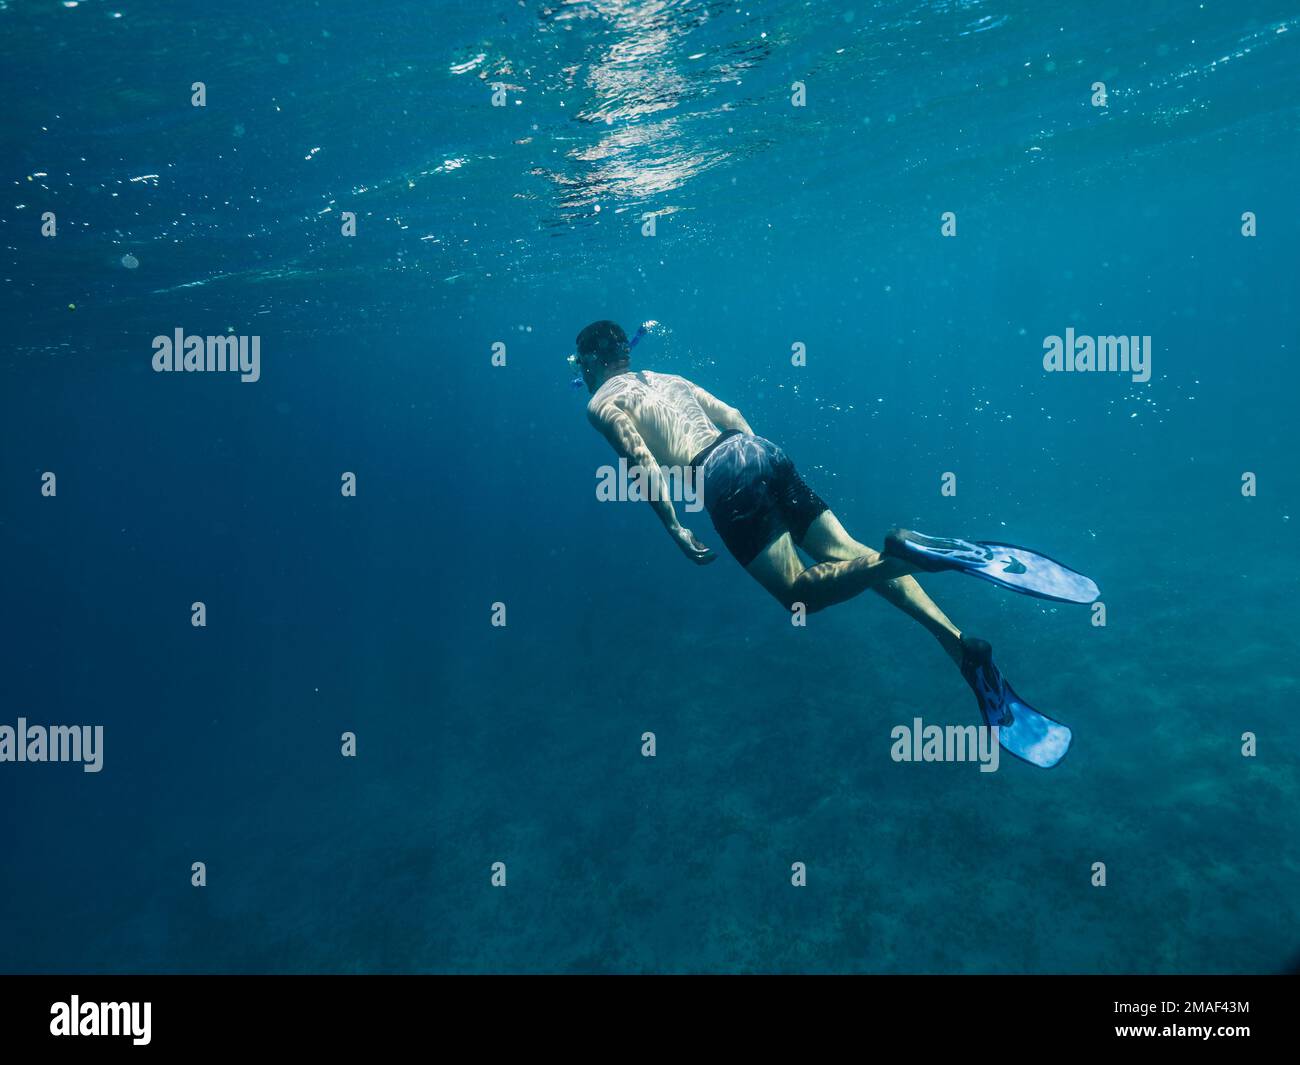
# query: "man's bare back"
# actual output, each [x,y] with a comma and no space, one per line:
[675,417]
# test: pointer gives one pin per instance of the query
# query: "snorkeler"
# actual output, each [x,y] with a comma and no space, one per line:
[763,510]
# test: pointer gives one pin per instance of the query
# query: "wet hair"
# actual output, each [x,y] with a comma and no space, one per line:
[606,340]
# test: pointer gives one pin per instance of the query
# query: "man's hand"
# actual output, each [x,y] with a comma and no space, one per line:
[691,547]
[621,431]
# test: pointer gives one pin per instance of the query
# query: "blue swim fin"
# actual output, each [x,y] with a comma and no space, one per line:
[1013,567]
[1022,730]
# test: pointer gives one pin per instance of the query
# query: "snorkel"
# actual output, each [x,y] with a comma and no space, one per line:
[576,363]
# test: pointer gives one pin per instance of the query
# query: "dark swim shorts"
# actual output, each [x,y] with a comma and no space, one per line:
[753,493]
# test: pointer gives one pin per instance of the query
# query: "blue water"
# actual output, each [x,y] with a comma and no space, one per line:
[774,224]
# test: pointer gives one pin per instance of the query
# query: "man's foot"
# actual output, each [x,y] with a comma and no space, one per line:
[1017,568]
[934,553]
[1022,730]
[986,680]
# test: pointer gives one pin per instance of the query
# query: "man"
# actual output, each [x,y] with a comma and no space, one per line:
[762,510]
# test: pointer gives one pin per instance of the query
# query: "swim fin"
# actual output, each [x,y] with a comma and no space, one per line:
[1022,730]
[1013,567]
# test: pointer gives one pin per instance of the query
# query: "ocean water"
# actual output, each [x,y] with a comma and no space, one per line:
[774,225]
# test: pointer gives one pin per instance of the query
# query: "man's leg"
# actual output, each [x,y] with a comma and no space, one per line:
[778,569]
[829,542]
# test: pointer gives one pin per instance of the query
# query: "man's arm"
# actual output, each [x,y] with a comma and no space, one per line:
[722,415]
[623,436]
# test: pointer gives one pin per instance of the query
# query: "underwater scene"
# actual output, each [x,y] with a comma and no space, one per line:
[342,636]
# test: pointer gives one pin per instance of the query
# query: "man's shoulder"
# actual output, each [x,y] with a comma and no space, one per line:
[603,404]
[595,406]
[679,380]
[613,390]
[673,380]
